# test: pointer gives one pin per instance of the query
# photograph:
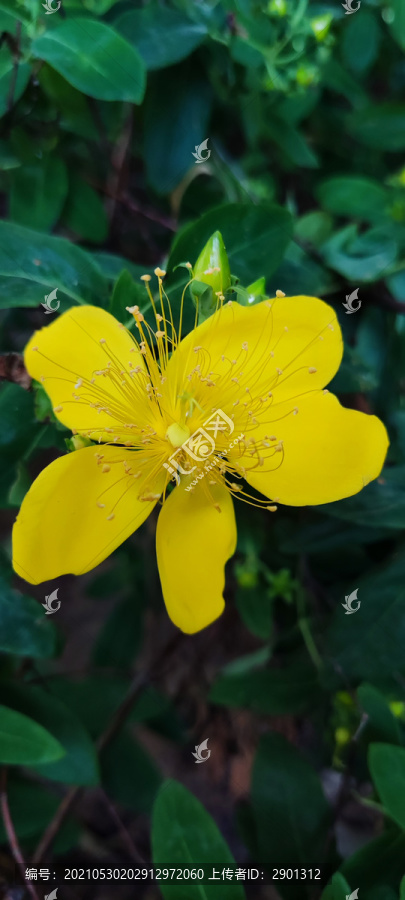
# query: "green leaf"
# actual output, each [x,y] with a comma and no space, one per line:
[397,24]
[38,193]
[353,197]
[380,716]
[275,692]
[79,764]
[360,257]
[387,767]
[72,106]
[380,127]
[361,41]
[179,101]
[85,212]
[291,142]
[338,889]
[44,261]
[402,889]
[289,807]
[255,608]
[94,59]
[127,292]
[24,629]
[17,420]
[162,36]
[10,92]
[23,742]
[31,809]
[369,644]
[379,862]
[16,9]
[129,774]
[184,834]
[121,637]
[380,504]
[255,238]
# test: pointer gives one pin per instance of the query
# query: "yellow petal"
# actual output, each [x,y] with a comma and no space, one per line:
[327,452]
[194,540]
[286,345]
[66,356]
[61,529]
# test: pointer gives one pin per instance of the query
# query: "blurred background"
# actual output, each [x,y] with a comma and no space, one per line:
[301,107]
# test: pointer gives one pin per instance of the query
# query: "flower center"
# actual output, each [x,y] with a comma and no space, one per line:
[177,434]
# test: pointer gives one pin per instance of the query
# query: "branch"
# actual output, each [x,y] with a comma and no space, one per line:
[10,830]
[117,721]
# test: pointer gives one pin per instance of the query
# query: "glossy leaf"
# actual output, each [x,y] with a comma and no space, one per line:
[182,830]
[94,58]
[24,742]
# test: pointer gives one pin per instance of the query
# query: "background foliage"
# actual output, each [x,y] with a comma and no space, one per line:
[102,104]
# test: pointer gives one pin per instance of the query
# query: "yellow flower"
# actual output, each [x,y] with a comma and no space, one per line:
[252,378]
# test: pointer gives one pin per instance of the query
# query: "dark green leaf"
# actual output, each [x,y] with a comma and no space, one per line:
[129,774]
[85,212]
[397,24]
[183,833]
[380,504]
[360,258]
[380,126]
[387,767]
[338,889]
[361,41]
[179,101]
[270,691]
[23,742]
[94,59]
[79,764]
[162,36]
[38,193]
[289,807]
[49,262]
[369,644]
[380,716]
[381,861]
[255,238]
[127,292]
[24,628]
[10,92]
[353,197]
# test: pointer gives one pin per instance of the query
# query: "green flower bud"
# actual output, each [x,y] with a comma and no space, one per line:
[77,442]
[321,25]
[212,266]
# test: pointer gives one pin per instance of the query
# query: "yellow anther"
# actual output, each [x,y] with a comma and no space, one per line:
[160,272]
[280,294]
[311,370]
[57,409]
[105,469]
[272,508]
[112,516]
[146,277]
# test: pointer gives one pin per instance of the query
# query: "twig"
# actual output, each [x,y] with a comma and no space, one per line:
[13,81]
[118,161]
[126,837]
[10,830]
[113,727]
